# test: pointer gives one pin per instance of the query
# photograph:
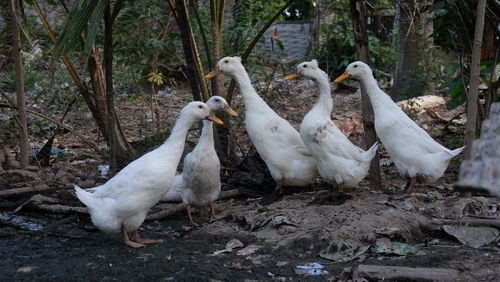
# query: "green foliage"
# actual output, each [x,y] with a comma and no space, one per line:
[249,17]
[30,80]
[454,22]
[458,82]
[144,43]
[339,48]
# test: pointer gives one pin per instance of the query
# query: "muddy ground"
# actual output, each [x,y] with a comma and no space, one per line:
[286,234]
[339,233]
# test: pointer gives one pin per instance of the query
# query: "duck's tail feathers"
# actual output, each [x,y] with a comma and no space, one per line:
[372,151]
[457,151]
[85,197]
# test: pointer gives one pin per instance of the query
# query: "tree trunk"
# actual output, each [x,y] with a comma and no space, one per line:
[409,77]
[21,98]
[470,127]
[120,151]
[358,12]
[216,12]
[194,69]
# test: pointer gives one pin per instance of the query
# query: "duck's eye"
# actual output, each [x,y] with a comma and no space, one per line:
[226,61]
[355,66]
[200,106]
[217,100]
[305,66]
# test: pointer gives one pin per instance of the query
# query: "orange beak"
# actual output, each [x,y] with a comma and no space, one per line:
[214,119]
[231,111]
[213,73]
[291,76]
[343,77]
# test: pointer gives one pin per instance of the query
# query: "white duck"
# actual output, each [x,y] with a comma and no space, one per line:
[411,148]
[339,161]
[121,204]
[278,143]
[199,184]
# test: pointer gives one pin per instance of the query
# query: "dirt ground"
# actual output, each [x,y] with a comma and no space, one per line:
[278,241]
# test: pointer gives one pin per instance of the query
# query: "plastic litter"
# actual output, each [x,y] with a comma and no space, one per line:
[474,237]
[387,247]
[230,246]
[313,268]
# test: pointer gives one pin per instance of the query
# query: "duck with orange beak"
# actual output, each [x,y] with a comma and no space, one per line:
[340,162]
[199,183]
[414,152]
[275,139]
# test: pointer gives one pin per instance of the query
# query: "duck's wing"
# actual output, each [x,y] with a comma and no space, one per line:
[289,138]
[336,143]
[414,137]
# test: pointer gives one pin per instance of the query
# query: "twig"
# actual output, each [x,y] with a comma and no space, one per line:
[439,222]
[23,190]
[167,213]
[181,207]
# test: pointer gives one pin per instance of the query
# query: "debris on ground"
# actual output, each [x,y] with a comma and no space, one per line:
[313,269]
[398,273]
[474,237]
[387,247]
[230,246]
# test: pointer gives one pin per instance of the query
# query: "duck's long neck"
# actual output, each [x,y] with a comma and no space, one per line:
[379,99]
[324,105]
[178,134]
[207,135]
[252,100]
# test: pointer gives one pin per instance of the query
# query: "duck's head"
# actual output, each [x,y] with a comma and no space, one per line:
[199,111]
[227,65]
[357,70]
[308,69]
[219,104]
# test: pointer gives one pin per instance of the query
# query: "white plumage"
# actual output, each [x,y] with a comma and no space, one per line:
[278,143]
[412,149]
[121,203]
[339,161]
[199,184]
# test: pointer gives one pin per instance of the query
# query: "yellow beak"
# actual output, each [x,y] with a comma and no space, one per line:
[215,119]
[291,76]
[211,74]
[344,76]
[231,111]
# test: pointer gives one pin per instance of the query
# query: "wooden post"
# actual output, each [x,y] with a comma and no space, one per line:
[358,12]
[21,98]
[470,127]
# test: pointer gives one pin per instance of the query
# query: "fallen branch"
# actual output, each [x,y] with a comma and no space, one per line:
[61,208]
[23,190]
[181,207]
[382,272]
[439,222]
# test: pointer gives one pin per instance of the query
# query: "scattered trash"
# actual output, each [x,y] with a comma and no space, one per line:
[387,247]
[58,152]
[474,237]
[250,249]
[103,170]
[386,161]
[26,269]
[313,268]
[345,251]
[230,246]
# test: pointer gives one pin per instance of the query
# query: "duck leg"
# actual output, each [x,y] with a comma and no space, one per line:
[137,239]
[127,242]
[189,209]
[278,190]
[410,184]
[213,216]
